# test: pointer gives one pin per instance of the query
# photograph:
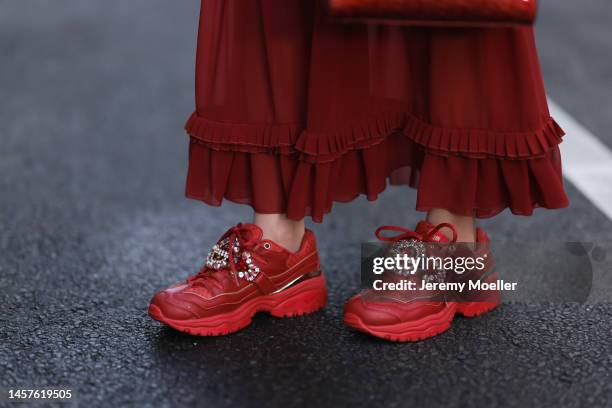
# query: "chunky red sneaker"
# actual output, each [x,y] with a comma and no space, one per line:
[244,274]
[411,315]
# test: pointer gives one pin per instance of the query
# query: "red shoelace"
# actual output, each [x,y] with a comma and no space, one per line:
[210,276]
[406,233]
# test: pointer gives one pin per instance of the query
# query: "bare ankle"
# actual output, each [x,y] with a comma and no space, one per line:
[465,226]
[281,230]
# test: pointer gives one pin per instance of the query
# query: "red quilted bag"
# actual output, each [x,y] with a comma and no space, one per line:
[438,12]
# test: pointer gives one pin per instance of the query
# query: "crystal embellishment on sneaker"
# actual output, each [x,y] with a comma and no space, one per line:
[218,258]
[410,247]
[416,249]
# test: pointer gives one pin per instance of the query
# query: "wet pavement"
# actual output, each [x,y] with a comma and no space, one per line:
[93,221]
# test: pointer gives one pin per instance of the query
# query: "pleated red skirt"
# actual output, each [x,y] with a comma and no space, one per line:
[295,111]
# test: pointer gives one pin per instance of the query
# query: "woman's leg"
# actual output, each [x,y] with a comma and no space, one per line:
[465,226]
[280,229]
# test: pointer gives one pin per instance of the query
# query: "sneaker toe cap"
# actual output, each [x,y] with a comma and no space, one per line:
[170,307]
[368,313]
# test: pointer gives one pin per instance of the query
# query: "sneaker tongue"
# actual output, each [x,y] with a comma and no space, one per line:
[424,227]
[252,232]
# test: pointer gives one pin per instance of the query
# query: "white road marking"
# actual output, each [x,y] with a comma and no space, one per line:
[587,162]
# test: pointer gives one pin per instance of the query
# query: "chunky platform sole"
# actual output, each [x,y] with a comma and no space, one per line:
[475,309]
[305,297]
[429,326]
[489,302]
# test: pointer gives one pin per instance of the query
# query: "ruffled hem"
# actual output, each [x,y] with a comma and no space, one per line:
[478,143]
[249,138]
[323,147]
[284,183]
[485,187]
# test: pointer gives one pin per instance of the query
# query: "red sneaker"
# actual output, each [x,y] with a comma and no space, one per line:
[244,274]
[410,315]
[473,303]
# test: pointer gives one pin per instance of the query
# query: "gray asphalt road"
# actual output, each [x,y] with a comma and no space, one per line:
[93,221]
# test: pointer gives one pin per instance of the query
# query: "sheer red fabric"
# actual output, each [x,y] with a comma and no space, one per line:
[295,111]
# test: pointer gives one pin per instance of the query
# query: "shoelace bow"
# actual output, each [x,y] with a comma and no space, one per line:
[405,233]
[207,275]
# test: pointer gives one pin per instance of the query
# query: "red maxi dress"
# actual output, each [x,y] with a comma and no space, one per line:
[295,112]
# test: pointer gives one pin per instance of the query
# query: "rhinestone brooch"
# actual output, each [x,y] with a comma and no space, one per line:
[218,258]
